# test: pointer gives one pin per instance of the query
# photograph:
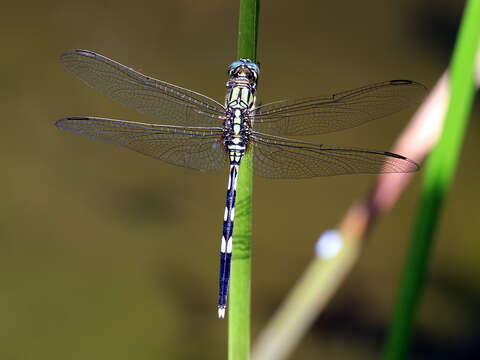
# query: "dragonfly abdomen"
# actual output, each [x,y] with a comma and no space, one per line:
[227,240]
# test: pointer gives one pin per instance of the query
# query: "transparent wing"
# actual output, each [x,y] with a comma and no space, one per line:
[319,115]
[279,158]
[168,103]
[195,148]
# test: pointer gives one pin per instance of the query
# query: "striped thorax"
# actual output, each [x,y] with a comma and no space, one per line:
[240,105]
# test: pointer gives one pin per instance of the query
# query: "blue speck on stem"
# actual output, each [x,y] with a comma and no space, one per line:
[329,244]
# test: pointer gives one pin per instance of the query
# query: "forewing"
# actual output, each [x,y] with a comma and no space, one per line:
[319,115]
[195,148]
[162,101]
[280,158]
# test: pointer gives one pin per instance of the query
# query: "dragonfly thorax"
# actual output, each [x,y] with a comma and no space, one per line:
[239,108]
[236,133]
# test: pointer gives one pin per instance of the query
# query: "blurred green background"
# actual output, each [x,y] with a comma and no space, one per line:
[108,254]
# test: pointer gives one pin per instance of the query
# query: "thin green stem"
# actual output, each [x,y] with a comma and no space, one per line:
[306,300]
[437,178]
[239,314]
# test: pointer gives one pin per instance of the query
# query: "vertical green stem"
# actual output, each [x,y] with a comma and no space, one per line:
[239,309]
[437,178]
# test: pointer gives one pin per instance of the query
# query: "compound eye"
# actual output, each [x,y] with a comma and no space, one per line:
[233,66]
[254,68]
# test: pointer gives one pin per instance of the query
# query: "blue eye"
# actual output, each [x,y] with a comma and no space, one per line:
[235,64]
[254,67]
[246,62]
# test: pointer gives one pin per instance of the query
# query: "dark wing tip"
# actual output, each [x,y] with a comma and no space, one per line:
[412,165]
[61,123]
[395,155]
[401,82]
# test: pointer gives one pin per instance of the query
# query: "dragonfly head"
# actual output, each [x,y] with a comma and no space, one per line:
[244,70]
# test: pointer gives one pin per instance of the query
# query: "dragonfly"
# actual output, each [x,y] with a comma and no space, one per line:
[200,133]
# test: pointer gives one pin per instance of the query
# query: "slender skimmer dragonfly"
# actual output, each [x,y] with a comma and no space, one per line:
[202,134]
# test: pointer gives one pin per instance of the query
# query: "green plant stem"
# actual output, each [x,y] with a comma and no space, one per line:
[437,178]
[306,300]
[239,310]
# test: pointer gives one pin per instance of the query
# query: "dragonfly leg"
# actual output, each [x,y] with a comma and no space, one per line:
[227,240]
